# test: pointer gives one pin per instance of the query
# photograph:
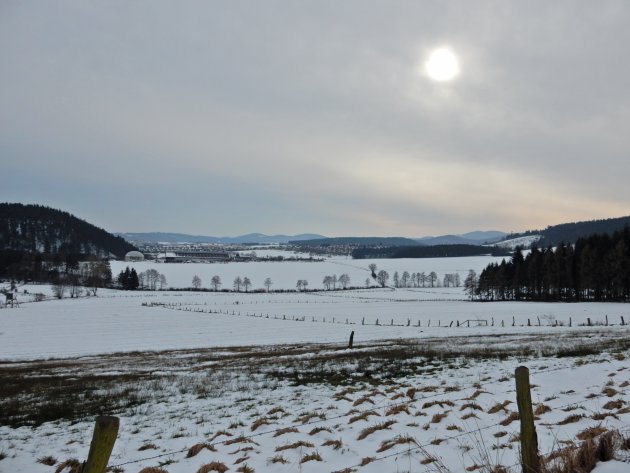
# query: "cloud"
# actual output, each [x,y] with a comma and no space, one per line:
[314,117]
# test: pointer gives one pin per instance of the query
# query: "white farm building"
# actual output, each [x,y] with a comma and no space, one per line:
[134,256]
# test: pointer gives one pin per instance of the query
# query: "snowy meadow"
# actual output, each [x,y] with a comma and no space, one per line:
[264,381]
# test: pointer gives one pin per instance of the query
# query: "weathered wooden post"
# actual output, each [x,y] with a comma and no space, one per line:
[623,322]
[351,340]
[530,459]
[103,439]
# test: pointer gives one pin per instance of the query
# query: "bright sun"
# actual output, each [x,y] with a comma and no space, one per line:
[442,65]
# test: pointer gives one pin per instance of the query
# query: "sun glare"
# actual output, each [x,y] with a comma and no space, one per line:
[442,65]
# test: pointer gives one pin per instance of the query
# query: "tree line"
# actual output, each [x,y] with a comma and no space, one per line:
[596,268]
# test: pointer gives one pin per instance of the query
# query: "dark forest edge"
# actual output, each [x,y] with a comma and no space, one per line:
[437,251]
[596,268]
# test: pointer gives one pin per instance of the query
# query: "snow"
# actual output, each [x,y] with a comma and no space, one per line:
[205,386]
[523,242]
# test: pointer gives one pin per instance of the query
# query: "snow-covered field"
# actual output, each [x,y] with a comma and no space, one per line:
[284,275]
[266,381]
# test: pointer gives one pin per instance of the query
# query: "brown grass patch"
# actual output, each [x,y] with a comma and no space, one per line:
[308,416]
[153,469]
[219,434]
[472,406]
[366,461]
[470,415]
[437,441]
[498,435]
[148,446]
[276,410]
[610,405]
[72,465]
[437,418]
[195,449]
[241,450]
[317,430]
[309,457]
[428,405]
[428,460]
[286,430]
[335,444]
[48,460]
[260,422]
[362,400]
[363,416]
[397,396]
[214,466]
[454,427]
[394,410]
[400,440]
[278,459]
[571,419]
[291,446]
[241,460]
[541,409]
[241,439]
[380,426]
[499,406]
[476,394]
[603,415]
[591,433]
[509,419]
[245,469]
[609,391]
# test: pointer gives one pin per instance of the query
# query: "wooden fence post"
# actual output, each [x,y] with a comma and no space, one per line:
[351,340]
[103,439]
[529,440]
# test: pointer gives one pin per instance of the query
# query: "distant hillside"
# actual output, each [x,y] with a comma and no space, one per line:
[39,229]
[436,251]
[254,238]
[470,238]
[357,241]
[569,233]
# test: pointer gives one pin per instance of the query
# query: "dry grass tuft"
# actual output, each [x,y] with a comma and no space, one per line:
[500,434]
[472,406]
[291,446]
[584,458]
[241,439]
[610,405]
[475,395]
[260,422]
[437,418]
[195,449]
[286,430]
[591,433]
[219,434]
[603,415]
[362,400]
[609,391]
[278,459]
[428,405]
[72,465]
[335,444]
[398,396]
[309,457]
[245,469]
[153,469]
[363,416]
[370,430]
[499,406]
[241,450]
[214,466]
[367,461]
[509,419]
[148,446]
[400,440]
[541,409]
[571,419]
[437,441]
[470,415]
[317,430]
[276,410]
[48,460]
[395,410]
[454,427]
[308,416]
[428,460]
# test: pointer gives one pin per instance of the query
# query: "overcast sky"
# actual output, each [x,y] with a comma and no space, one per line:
[230,117]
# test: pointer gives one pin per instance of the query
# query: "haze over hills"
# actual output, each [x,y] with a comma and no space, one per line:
[162,237]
